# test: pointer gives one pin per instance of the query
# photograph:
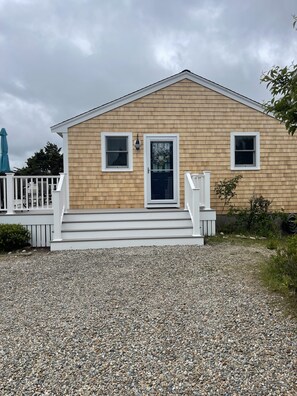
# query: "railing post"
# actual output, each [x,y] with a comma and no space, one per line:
[186,190]
[206,189]
[196,212]
[66,181]
[9,193]
[57,211]
[59,201]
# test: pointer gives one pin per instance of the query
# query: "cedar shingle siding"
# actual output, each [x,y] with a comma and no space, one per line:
[203,119]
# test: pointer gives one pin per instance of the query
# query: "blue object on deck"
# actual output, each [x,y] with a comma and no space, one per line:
[4,160]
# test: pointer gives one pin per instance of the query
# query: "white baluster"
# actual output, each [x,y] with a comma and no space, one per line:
[196,212]
[206,190]
[9,193]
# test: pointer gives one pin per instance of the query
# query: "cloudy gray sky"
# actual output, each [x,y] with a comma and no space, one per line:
[59,58]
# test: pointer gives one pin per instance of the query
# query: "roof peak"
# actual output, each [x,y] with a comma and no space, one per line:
[62,127]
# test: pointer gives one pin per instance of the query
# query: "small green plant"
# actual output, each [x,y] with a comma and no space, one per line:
[272,244]
[280,272]
[13,236]
[257,219]
[225,189]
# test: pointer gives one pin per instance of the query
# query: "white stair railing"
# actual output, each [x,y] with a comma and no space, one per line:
[202,181]
[197,195]
[192,203]
[59,206]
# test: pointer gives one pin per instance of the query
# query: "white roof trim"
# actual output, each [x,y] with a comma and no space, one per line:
[62,127]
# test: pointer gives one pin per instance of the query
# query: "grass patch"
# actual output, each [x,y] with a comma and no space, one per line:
[279,272]
[240,239]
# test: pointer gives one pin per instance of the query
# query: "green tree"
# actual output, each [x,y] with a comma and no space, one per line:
[47,161]
[282,83]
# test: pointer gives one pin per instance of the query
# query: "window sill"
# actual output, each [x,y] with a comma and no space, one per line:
[245,168]
[117,170]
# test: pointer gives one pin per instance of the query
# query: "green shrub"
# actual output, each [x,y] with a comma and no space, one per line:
[280,272]
[13,236]
[257,219]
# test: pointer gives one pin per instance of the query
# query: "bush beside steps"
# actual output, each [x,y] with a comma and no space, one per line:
[13,237]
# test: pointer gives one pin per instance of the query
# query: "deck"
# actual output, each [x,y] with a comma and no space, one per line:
[40,203]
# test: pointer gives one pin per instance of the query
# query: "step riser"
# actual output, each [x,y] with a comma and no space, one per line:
[146,233]
[104,229]
[118,216]
[117,225]
[79,245]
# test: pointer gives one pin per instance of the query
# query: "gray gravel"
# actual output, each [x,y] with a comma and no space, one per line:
[143,321]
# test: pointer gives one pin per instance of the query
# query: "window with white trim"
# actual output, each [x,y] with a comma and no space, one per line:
[116,151]
[245,150]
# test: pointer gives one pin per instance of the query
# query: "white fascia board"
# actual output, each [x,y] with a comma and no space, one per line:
[63,126]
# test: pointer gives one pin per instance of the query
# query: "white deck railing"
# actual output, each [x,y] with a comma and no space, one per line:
[59,206]
[34,192]
[197,195]
[23,193]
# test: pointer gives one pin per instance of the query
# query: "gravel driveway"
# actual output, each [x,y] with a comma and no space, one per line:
[143,321]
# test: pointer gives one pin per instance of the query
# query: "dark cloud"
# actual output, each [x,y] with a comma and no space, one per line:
[60,58]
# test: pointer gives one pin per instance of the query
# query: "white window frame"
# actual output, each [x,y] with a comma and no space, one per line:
[129,168]
[256,135]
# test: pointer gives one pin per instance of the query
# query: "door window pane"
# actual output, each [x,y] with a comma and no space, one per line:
[162,155]
[161,185]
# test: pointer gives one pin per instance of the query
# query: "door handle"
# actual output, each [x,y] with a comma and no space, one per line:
[148,170]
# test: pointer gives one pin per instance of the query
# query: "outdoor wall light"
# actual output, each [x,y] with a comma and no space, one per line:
[137,143]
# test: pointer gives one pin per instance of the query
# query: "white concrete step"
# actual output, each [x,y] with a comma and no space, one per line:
[121,215]
[128,233]
[117,243]
[125,224]
[135,227]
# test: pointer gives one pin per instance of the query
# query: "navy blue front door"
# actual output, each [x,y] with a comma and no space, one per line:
[161,170]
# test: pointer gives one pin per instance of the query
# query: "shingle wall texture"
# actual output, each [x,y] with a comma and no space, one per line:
[203,119]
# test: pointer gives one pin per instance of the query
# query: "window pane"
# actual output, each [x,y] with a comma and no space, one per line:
[161,155]
[245,158]
[162,185]
[244,143]
[117,143]
[117,159]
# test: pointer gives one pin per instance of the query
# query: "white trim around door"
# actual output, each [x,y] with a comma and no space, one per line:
[161,170]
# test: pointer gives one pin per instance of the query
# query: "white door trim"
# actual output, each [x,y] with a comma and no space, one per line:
[161,137]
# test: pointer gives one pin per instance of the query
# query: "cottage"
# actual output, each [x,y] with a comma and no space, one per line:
[140,170]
